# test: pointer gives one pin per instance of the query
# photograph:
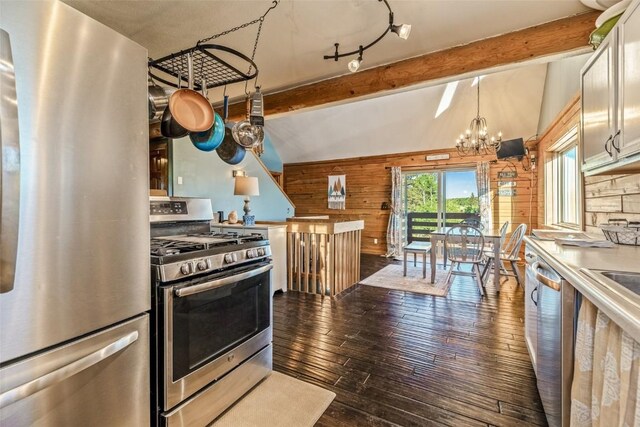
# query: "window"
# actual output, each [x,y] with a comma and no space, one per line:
[563,201]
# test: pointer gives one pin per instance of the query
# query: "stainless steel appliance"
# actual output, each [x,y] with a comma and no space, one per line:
[74,232]
[555,301]
[212,313]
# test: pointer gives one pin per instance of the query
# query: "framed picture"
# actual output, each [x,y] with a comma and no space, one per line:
[337,194]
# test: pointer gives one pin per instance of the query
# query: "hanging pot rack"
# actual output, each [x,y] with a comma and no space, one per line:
[207,61]
[208,66]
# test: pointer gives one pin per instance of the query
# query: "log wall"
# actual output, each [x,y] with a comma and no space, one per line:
[368,185]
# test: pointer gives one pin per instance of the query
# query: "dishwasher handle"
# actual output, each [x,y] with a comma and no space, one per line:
[535,301]
[556,285]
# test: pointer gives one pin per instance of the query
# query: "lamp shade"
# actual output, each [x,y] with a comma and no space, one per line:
[246,186]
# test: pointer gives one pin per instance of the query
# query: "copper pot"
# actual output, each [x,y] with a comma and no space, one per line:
[189,108]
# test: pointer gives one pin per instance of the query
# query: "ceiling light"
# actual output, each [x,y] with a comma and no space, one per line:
[401,30]
[476,141]
[354,64]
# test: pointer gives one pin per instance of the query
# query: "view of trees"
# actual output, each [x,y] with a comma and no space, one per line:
[422,196]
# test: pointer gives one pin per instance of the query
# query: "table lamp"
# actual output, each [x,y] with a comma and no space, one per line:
[247,186]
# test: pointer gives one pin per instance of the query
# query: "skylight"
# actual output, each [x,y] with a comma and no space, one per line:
[475,81]
[447,96]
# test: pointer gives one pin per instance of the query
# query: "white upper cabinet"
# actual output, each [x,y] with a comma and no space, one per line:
[629,82]
[598,113]
[610,116]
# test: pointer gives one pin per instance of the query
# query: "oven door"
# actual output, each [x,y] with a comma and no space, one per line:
[211,326]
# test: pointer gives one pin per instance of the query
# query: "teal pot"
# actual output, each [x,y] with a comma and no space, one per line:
[210,139]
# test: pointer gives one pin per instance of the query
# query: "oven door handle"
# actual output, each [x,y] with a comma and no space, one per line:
[203,287]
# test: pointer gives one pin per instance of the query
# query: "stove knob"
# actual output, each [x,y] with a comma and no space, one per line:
[234,257]
[228,258]
[250,254]
[202,265]
[261,252]
[185,269]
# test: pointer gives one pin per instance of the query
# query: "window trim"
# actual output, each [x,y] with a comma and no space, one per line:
[551,180]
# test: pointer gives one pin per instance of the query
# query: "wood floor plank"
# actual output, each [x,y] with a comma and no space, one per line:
[395,358]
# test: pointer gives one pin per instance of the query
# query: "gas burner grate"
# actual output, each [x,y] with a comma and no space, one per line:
[172,247]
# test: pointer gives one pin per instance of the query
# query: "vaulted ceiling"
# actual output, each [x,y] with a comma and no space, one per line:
[409,121]
[297,34]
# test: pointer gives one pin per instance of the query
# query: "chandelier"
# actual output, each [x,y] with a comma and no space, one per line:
[476,141]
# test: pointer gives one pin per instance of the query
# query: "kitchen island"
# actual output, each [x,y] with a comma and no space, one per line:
[323,255]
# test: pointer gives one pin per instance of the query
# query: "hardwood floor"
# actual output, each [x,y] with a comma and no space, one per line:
[396,358]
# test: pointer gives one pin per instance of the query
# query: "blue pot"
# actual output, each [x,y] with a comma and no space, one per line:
[229,151]
[210,139]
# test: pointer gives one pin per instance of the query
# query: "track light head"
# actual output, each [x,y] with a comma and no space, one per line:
[402,30]
[354,64]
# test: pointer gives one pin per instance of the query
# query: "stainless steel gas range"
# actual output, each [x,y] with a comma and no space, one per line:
[211,313]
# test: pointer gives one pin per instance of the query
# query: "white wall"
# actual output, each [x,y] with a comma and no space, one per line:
[561,85]
[205,175]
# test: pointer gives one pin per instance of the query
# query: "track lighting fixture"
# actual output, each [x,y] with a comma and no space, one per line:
[402,30]
[354,64]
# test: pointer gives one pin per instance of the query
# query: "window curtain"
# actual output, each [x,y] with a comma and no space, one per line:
[394,228]
[484,194]
[606,380]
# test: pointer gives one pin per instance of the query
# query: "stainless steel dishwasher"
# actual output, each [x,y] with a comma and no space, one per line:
[555,338]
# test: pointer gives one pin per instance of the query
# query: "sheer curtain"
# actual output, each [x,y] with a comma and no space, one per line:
[606,376]
[394,228]
[484,194]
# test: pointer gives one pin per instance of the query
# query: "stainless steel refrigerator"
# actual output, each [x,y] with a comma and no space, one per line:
[74,242]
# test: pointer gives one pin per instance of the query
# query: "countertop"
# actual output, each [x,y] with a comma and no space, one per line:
[257,226]
[568,260]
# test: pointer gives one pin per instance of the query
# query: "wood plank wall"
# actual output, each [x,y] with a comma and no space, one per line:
[368,183]
[605,196]
[611,196]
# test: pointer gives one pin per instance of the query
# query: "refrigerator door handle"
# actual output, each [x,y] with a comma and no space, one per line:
[25,390]
[9,166]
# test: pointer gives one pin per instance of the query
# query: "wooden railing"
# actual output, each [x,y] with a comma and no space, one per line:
[421,224]
[323,257]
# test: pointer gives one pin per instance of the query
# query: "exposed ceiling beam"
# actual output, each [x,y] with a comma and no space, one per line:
[542,40]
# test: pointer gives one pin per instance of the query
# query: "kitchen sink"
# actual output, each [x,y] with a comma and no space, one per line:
[630,281]
[619,281]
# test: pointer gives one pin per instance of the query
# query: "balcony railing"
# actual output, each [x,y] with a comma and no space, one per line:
[421,224]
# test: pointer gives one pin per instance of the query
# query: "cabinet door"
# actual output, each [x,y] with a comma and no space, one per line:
[598,101]
[629,83]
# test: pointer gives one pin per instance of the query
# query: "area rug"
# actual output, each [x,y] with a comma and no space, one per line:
[278,401]
[391,277]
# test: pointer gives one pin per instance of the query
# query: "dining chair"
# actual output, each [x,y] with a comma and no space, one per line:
[463,245]
[473,221]
[509,252]
[503,237]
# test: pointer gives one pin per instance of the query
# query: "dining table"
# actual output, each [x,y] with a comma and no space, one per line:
[491,235]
